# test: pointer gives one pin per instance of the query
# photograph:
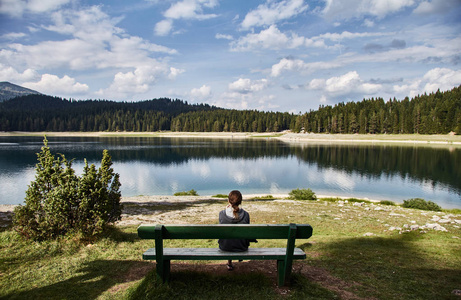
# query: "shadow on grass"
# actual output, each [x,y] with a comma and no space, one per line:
[397,267]
[118,235]
[19,251]
[136,207]
[94,278]
[6,220]
[201,285]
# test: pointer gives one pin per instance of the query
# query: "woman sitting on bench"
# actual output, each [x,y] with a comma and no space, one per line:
[233,214]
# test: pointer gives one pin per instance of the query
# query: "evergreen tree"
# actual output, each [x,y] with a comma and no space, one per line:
[58,202]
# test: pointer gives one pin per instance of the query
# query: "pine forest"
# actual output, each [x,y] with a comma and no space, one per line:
[435,113]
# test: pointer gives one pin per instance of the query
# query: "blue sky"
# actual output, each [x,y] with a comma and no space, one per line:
[289,55]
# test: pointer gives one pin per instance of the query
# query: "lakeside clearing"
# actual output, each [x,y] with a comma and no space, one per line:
[407,139]
[359,250]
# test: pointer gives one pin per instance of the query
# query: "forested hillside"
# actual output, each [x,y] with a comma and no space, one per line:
[438,112]
[46,113]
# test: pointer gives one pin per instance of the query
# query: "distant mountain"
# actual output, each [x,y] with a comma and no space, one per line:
[9,91]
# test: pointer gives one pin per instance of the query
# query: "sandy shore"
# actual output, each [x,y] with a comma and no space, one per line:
[287,136]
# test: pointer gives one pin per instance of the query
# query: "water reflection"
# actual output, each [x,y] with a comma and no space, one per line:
[166,165]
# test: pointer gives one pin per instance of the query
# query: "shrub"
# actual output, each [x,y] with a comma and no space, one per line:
[189,193]
[352,200]
[419,203]
[331,199]
[59,202]
[266,197]
[220,196]
[387,202]
[302,194]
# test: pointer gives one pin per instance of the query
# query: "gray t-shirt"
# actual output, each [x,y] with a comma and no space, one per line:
[234,245]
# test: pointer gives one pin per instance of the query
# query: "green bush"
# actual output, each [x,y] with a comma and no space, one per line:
[419,203]
[189,193]
[59,202]
[266,197]
[219,196]
[302,194]
[387,202]
[352,200]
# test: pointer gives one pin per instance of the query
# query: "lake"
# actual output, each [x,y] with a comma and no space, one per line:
[163,166]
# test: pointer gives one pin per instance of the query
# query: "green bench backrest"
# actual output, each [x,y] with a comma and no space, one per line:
[224,231]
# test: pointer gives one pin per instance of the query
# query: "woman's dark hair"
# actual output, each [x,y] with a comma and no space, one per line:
[235,199]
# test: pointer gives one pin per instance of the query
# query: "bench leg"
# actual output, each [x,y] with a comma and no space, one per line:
[281,274]
[283,271]
[166,270]
[163,270]
[284,266]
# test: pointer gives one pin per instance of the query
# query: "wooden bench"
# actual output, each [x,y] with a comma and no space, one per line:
[283,256]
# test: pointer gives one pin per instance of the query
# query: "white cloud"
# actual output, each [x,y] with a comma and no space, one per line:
[245,85]
[437,78]
[350,35]
[185,9]
[368,23]
[8,73]
[297,65]
[349,83]
[204,92]
[273,38]
[41,6]
[190,9]
[442,78]
[163,28]
[13,35]
[46,83]
[288,65]
[245,93]
[95,43]
[436,6]
[75,54]
[436,50]
[236,100]
[343,10]
[138,81]
[272,12]
[16,8]
[220,36]
[174,72]
[53,85]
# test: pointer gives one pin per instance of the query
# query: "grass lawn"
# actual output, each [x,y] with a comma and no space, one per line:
[358,251]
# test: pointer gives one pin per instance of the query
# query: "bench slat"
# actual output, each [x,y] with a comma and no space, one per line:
[225,231]
[218,254]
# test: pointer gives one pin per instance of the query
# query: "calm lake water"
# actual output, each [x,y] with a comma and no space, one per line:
[163,166]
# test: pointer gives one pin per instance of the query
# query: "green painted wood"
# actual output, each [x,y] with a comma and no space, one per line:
[161,265]
[218,254]
[284,256]
[280,273]
[285,273]
[225,231]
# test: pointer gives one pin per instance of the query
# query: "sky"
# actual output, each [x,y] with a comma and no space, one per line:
[268,55]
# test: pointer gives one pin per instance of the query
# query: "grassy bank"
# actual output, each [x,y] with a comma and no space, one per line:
[358,251]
